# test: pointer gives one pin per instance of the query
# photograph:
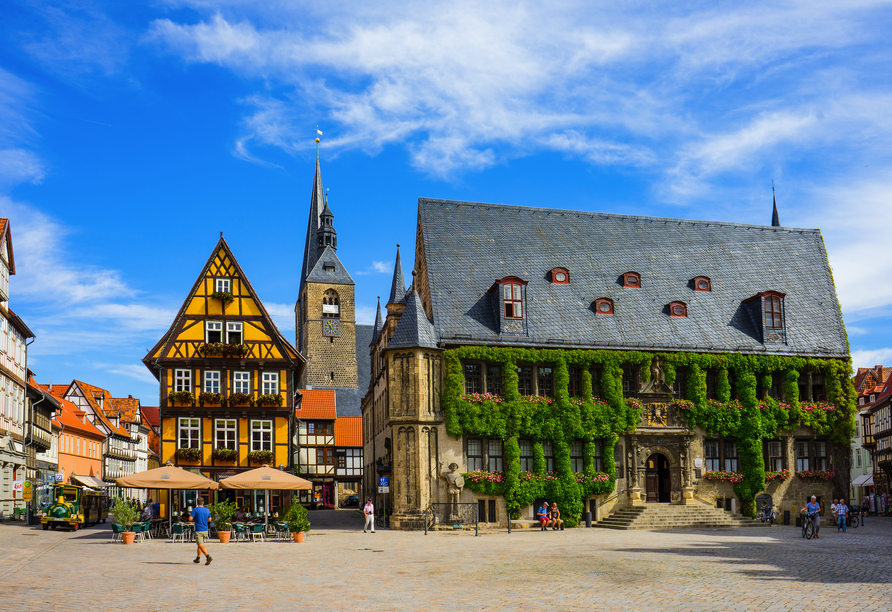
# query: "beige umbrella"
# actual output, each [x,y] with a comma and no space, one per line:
[169,477]
[265,478]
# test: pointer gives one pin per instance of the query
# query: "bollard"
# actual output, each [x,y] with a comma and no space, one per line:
[588,518]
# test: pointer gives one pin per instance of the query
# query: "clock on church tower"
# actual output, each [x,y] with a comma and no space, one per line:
[331,327]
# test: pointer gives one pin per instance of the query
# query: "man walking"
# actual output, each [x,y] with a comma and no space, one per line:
[842,512]
[201,516]
[369,511]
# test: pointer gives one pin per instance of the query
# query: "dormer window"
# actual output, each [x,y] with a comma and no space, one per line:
[632,280]
[678,309]
[604,306]
[861,401]
[702,283]
[560,276]
[512,300]
[872,398]
[773,316]
[768,312]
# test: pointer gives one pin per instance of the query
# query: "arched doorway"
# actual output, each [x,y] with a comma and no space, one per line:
[657,478]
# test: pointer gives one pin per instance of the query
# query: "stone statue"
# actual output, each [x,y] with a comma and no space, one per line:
[657,383]
[454,484]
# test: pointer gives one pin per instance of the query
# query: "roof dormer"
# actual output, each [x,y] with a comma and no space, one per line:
[632,280]
[604,306]
[677,309]
[701,283]
[768,311]
[560,276]
[510,301]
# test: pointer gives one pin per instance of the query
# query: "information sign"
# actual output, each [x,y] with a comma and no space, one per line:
[383,481]
[383,489]
[27,491]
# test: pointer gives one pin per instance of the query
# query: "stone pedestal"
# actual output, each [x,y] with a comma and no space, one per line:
[635,496]
[687,496]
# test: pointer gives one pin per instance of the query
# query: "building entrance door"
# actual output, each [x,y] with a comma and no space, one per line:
[657,479]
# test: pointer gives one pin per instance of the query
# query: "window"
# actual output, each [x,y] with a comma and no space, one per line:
[526,455]
[576,458]
[233,333]
[773,318]
[678,309]
[680,386]
[857,457]
[598,459]
[261,435]
[212,381]
[241,382]
[604,306]
[225,434]
[189,433]
[525,380]
[713,459]
[858,428]
[331,303]
[873,398]
[320,429]
[730,455]
[512,298]
[475,454]
[546,380]
[494,379]
[560,276]
[632,280]
[472,378]
[575,384]
[775,456]
[802,462]
[325,456]
[182,380]
[702,283]
[213,331]
[271,383]
[222,285]
[494,449]
[861,401]
[548,451]
[628,382]
[711,386]
[342,461]
[820,455]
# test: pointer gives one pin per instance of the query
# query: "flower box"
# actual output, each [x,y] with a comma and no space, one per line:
[225,455]
[261,457]
[192,455]
[181,398]
[210,399]
[816,474]
[239,399]
[269,399]
[732,477]
[781,475]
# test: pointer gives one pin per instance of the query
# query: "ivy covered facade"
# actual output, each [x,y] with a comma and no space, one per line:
[607,361]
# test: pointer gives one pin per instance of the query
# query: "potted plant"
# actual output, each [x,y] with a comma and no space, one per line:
[223,513]
[296,519]
[125,515]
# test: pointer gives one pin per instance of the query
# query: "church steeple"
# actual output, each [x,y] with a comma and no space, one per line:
[398,287]
[379,325]
[775,218]
[326,234]
[317,204]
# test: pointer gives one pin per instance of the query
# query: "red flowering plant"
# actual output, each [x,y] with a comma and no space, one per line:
[682,404]
[816,474]
[479,476]
[633,402]
[817,406]
[537,399]
[479,398]
[733,477]
[781,475]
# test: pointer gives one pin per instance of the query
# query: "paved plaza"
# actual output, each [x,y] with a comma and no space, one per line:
[340,568]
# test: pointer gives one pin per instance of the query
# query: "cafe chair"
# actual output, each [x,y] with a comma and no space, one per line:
[178,532]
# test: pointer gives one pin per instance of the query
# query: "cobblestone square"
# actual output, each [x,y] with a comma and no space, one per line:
[340,568]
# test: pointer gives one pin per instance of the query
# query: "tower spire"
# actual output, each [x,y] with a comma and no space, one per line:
[398,288]
[379,324]
[317,203]
[775,218]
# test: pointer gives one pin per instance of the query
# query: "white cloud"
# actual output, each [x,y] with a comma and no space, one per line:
[870,358]
[20,166]
[283,317]
[378,267]
[136,371]
[365,315]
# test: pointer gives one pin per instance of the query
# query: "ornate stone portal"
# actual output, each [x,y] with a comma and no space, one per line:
[662,431]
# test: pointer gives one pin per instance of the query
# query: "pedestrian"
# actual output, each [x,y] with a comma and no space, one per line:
[542,515]
[813,508]
[842,512]
[865,507]
[369,512]
[201,515]
[833,512]
[556,520]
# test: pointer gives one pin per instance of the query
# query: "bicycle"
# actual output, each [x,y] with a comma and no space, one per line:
[852,519]
[381,520]
[808,526]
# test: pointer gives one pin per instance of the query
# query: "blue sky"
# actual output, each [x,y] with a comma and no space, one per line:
[132,134]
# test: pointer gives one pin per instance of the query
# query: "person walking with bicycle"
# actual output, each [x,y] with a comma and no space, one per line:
[842,514]
[812,509]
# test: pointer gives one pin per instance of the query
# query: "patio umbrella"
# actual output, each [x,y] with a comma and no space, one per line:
[169,477]
[265,478]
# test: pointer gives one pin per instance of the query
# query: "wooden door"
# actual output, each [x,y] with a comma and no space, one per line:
[653,487]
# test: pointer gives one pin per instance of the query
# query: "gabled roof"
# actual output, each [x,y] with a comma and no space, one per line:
[5,233]
[328,258]
[316,404]
[94,394]
[69,417]
[467,245]
[127,407]
[286,348]
[151,415]
[414,329]
[348,431]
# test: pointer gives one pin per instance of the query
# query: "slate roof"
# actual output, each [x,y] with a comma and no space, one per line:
[338,275]
[414,328]
[398,286]
[470,245]
[317,201]
[376,329]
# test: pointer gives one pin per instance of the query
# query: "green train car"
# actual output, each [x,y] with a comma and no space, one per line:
[75,507]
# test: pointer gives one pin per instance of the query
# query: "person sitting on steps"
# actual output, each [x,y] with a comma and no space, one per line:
[542,515]
[556,520]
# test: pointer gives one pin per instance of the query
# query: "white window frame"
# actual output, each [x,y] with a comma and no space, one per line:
[260,426]
[270,382]
[235,326]
[217,326]
[182,380]
[211,376]
[190,425]
[239,379]
[228,427]
[222,285]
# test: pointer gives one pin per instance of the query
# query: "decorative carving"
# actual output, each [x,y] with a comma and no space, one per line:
[454,484]
[657,415]
[657,383]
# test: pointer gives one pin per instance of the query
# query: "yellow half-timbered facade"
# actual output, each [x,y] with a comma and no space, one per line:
[227,377]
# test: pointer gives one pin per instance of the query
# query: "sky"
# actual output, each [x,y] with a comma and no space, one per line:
[132,134]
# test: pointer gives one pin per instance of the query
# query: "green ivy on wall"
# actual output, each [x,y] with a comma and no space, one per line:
[562,421]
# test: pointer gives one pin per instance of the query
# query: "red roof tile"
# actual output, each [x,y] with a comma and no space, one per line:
[152,415]
[348,431]
[68,418]
[316,404]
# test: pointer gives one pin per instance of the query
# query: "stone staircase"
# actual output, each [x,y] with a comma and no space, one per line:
[665,516]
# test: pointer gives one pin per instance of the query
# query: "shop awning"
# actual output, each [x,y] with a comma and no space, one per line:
[89,481]
[863,481]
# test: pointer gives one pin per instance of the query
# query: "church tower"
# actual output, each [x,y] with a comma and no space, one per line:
[325,313]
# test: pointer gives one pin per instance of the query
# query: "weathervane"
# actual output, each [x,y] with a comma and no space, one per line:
[319,132]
